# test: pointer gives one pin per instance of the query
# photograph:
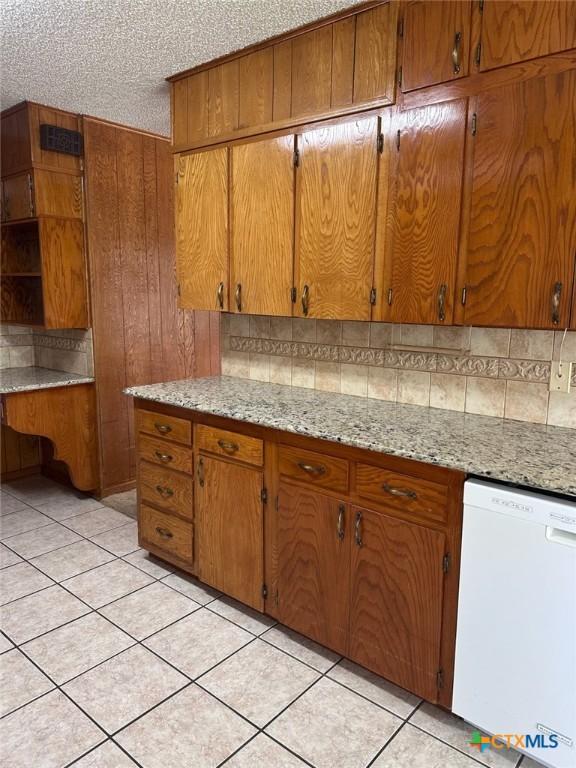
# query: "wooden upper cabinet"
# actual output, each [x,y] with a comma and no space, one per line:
[313,534]
[375,54]
[436,44]
[202,229]
[522,225]
[262,226]
[312,72]
[256,79]
[514,31]
[335,220]
[223,95]
[421,243]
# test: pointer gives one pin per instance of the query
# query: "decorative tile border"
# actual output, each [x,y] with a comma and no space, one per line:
[60,342]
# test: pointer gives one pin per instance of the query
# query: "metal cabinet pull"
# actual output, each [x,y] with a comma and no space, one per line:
[556,295]
[201,472]
[164,457]
[228,447]
[220,295]
[456,52]
[442,301]
[164,491]
[405,492]
[358,530]
[164,429]
[238,297]
[164,533]
[340,528]
[311,469]
[305,300]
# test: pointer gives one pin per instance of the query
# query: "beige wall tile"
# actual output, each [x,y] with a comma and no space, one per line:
[447,391]
[259,367]
[562,409]
[224,324]
[21,357]
[382,383]
[531,345]
[526,401]
[355,334]
[414,387]
[380,335]
[329,331]
[4,357]
[485,396]
[417,335]
[568,348]
[452,337]
[303,329]
[327,377]
[354,380]
[236,364]
[303,373]
[239,325]
[490,342]
[281,328]
[259,327]
[280,370]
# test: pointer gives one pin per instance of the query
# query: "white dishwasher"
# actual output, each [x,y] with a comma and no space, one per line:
[515,668]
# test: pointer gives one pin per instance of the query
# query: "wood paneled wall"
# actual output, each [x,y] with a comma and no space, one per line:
[140,336]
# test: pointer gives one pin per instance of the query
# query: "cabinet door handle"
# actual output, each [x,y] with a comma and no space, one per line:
[31,194]
[405,492]
[456,50]
[340,528]
[556,296]
[442,301]
[164,491]
[311,469]
[200,472]
[164,457]
[228,446]
[220,295]
[164,533]
[164,429]
[358,530]
[238,297]
[305,300]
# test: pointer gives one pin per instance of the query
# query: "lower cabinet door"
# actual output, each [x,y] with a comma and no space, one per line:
[313,543]
[229,534]
[396,600]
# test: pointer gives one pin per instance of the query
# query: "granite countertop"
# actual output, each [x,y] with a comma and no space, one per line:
[532,455]
[32,377]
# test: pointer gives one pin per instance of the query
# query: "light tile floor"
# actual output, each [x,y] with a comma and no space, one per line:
[110,659]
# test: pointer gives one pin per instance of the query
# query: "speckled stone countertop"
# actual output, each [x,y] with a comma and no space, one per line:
[532,455]
[32,377]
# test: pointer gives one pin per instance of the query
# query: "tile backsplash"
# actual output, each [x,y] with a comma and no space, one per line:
[488,371]
[67,350]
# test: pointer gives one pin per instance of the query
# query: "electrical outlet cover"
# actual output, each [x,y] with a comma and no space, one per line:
[560,375]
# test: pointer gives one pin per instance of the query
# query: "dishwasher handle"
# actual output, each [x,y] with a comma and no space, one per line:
[559,536]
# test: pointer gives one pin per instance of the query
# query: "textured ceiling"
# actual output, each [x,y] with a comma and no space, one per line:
[109,58]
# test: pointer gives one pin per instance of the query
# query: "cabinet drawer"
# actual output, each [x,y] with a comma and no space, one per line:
[170,427]
[231,444]
[165,532]
[166,454]
[413,495]
[315,468]
[166,489]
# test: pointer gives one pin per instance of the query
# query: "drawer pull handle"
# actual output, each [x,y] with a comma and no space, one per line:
[312,470]
[164,457]
[164,491]
[556,296]
[164,429]
[442,301]
[406,492]
[358,530]
[201,472]
[305,300]
[340,528]
[164,533]
[220,295]
[456,51]
[228,446]
[238,297]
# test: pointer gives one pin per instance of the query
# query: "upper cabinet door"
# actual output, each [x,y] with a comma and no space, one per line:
[312,72]
[202,230]
[262,226]
[335,209]
[436,43]
[426,186]
[522,229]
[375,54]
[518,31]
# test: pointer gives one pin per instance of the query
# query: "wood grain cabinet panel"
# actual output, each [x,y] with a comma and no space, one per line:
[15,145]
[64,285]
[343,44]
[335,224]
[57,194]
[262,226]
[436,44]
[162,425]
[518,30]
[313,543]
[232,445]
[229,520]
[223,98]
[256,79]
[18,197]
[312,71]
[202,230]
[159,451]
[425,205]
[314,468]
[165,533]
[396,600]
[282,87]
[375,54]
[166,489]
[522,227]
